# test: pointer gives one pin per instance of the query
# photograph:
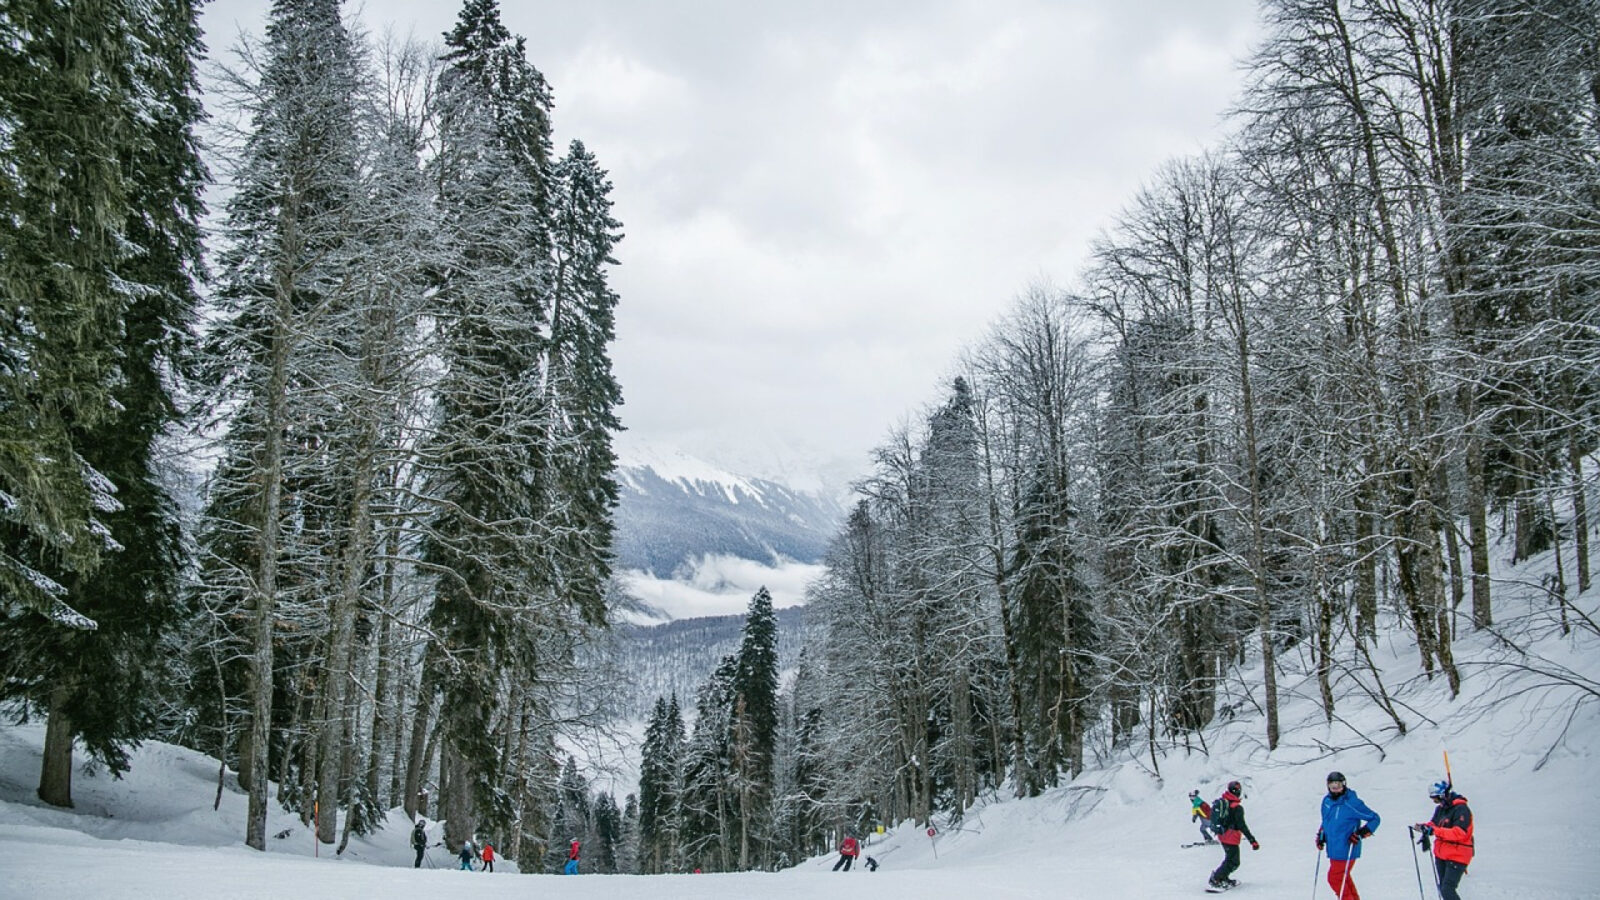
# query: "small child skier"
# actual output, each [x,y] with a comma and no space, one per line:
[1200,809]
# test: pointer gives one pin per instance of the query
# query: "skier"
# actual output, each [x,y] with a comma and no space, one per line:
[1346,822]
[1451,833]
[419,842]
[466,856]
[849,849]
[871,864]
[572,859]
[1199,809]
[1233,826]
[488,857]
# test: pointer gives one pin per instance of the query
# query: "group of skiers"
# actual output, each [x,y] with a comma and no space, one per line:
[1346,823]
[467,854]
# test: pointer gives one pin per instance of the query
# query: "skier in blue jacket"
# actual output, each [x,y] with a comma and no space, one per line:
[1346,822]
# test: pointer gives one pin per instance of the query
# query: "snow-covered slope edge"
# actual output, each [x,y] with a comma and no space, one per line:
[1521,739]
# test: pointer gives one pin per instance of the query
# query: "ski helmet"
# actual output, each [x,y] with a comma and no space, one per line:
[1336,776]
[1439,790]
[1236,788]
[1194,793]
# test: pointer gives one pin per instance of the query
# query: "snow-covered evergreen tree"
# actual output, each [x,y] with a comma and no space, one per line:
[106,134]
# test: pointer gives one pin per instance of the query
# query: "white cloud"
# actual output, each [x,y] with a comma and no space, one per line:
[721,585]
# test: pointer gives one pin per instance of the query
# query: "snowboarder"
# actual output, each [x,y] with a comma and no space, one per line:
[1199,809]
[572,859]
[849,849]
[488,857]
[1346,822]
[1233,826]
[1451,833]
[871,864]
[466,856]
[419,842]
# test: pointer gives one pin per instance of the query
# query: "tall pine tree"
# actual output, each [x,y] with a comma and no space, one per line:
[124,187]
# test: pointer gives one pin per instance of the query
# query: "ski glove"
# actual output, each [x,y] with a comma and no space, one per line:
[1254,845]
[1322,840]
[1425,827]
[1359,834]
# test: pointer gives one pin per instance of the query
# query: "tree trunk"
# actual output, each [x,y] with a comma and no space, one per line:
[1478,519]
[1580,510]
[264,595]
[416,763]
[458,805]
[55,772]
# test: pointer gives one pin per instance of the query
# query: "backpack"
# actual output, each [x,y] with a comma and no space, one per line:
[1219,814]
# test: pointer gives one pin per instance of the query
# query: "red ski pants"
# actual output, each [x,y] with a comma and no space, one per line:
[1339,879]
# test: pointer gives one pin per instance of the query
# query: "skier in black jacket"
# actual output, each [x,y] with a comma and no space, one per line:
[1233,826]
[419,842]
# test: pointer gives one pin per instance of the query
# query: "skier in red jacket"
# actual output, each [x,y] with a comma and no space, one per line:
[571,867]
[1451,833]
[849,849]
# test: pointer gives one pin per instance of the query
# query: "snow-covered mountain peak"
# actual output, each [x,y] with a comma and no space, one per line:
[674,465]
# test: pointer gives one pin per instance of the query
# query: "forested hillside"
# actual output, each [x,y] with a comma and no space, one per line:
[676,658]
[1311,394]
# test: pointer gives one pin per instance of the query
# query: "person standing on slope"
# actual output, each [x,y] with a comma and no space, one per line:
[572,859]
[849,849]
[488,857]
[419,842]
[466,856]
[1233,828]
[1346,822]
[1451,833]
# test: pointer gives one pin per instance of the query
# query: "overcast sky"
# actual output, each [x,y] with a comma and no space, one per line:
[825,201]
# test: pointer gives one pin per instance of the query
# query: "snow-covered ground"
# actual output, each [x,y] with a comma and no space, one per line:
[1523,754]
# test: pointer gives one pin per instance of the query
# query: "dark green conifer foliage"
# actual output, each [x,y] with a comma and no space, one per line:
[659,773]
[584,393]
[489,537]
[120,125]
[1055,631]
[754,730]
[607,842]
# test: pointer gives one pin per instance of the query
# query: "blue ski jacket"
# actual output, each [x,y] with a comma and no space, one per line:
[1343,816]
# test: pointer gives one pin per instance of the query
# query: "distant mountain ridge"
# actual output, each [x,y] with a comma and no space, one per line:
[674,508]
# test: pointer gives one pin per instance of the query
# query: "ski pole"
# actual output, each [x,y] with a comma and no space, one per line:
[1415,863]
[1316,874]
